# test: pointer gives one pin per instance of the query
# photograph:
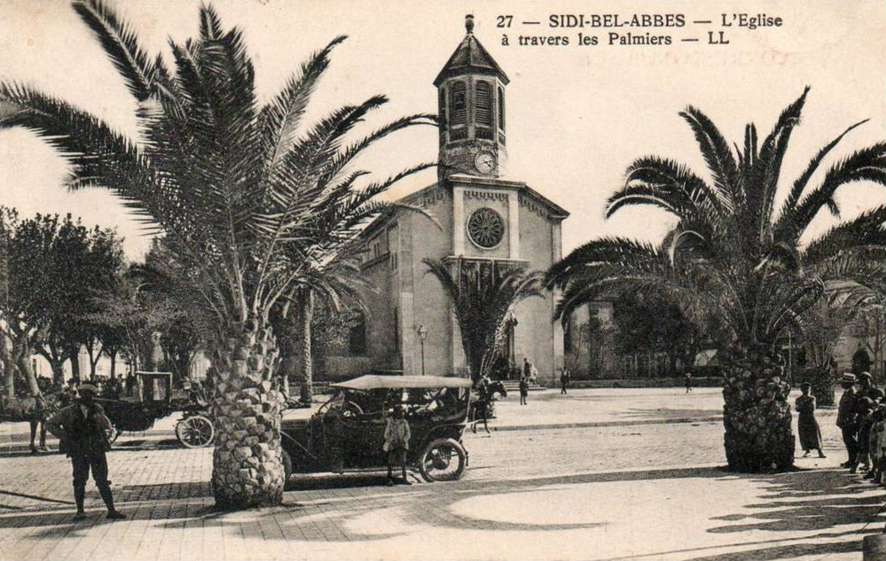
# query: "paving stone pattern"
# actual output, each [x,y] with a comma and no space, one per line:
[644,491]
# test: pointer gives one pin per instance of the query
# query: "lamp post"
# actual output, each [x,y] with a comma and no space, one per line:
[422,335]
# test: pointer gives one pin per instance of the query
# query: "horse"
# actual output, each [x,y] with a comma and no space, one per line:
[34,410]
[483,408]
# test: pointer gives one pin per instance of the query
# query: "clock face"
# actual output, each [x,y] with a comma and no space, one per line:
[485,162]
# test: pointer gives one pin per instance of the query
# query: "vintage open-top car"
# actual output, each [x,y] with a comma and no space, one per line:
[347,432]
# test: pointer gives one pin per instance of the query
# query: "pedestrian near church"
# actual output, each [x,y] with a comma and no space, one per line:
[397,435]
[807,426]
[83,431]
[847,419]
[524,389]
[564,380]
[688,381]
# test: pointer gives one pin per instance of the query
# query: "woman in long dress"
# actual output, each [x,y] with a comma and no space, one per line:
[807,426]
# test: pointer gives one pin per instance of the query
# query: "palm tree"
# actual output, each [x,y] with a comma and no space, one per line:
[232,183]
[732,254]
[482,301]
[338,284]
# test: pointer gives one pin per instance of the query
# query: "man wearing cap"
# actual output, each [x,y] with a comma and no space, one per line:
[83,430]
[865,384]
[847,418]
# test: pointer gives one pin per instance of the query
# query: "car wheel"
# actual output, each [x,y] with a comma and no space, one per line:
[195,432]
[287,466]
[443,459]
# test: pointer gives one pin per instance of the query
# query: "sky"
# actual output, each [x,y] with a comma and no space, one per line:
[577,115]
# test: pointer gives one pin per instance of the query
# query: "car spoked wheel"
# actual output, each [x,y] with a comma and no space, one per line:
[443,459]
[195,432]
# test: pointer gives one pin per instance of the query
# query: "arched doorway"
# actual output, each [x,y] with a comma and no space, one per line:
[861,361]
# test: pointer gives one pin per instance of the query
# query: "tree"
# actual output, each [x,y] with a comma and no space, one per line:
[820,329]
[232,183]
[130,315]
[482,297]
[83,262]
[335,284]
[26,250]
[733,255]
[651,324]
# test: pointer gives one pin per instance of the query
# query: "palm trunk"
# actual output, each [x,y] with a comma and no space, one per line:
[247,463]
[756,416]
[8,368]
[307,315]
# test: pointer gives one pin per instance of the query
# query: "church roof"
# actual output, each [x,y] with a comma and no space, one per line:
[470,57]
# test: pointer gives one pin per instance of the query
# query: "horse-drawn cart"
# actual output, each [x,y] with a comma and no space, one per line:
[151,399]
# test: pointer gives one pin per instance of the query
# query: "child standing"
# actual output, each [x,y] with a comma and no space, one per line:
[807,426]
[396,444]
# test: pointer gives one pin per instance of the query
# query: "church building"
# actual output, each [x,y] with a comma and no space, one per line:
[481,219]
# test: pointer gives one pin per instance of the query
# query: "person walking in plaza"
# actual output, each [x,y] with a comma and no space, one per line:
[847,419]
[865,410]
[527,368]
[397,435]
[688,380]
[524,389]
[83,431]
[564,381]
[807,426]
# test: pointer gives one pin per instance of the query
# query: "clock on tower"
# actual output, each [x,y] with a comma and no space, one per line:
[471,106]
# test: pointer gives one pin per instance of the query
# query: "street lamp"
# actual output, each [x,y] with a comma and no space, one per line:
[422,335]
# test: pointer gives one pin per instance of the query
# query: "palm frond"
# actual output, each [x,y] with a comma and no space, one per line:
[668,185]
[802,181]
[717,154]
[279,120]
[867,164]
[767,168]
[121,45]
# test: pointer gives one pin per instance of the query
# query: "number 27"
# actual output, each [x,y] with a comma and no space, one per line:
[504,21]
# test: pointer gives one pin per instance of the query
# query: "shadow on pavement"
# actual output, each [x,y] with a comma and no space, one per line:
[313,516]
[803,501]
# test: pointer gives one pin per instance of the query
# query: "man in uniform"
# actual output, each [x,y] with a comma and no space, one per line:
[83,430]
[847,419]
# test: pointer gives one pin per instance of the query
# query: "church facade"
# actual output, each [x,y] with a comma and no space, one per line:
[476,218]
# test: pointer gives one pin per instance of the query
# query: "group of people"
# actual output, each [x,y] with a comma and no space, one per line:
[861,417]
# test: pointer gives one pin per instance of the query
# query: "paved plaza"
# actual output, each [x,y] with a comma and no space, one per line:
[597,475]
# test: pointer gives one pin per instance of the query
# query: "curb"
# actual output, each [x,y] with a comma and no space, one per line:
[604,424]
[25,446]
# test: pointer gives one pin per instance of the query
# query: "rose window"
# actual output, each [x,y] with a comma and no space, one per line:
[486,228]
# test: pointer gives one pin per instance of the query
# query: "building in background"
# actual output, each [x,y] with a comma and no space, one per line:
[480,220]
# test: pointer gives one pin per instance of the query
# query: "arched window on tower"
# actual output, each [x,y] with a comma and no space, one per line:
[442,110]
[484,105]
[458,104]
[484,111]
[458,111]
[501,114]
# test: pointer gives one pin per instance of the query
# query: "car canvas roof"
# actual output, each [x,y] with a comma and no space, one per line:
[376,382]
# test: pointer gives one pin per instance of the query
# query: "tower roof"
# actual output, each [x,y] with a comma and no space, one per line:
[470,57]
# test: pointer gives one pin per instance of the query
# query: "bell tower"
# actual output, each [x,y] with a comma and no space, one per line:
[471,109]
